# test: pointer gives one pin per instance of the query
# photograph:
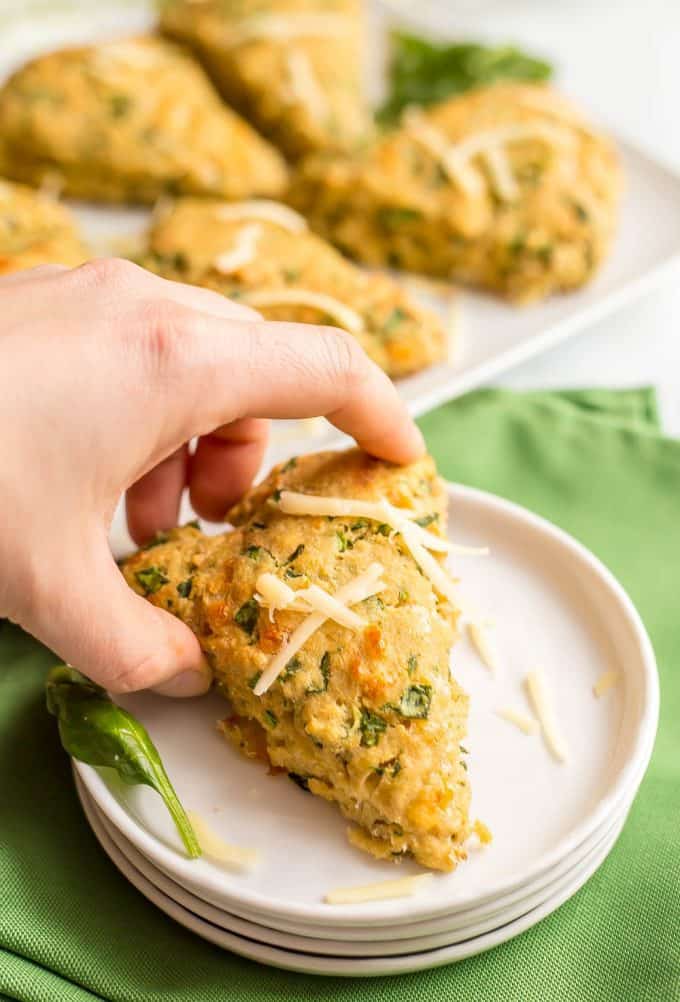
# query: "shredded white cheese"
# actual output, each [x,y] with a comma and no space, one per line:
[129,52]
[480,641]
[438,145]
[274,593]
[265,210]
[281,27]
[243,251]
[340,312]
[304,84]
[525,723]
[417,539]
[542,707]
[233,856]
[502,178]
[402,888]
[361,587]
[481,142]
[605,682]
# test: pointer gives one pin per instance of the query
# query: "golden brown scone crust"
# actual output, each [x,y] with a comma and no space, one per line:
[302,90]
[370,720]
[396,204]
[129,121]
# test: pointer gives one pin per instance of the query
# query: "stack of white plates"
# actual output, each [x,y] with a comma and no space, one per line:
[554,606]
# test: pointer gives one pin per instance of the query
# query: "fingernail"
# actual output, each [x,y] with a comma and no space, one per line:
[192,682]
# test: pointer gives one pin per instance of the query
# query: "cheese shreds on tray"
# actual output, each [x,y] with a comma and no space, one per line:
[405,887]
[243,251]
[540,701]
[233,856]
[606,681]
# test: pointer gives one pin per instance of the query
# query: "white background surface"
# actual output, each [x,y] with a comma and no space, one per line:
[621,59]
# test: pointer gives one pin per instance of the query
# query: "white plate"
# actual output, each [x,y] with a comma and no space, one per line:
[373,947]
[556,606]
[330,965]
[495,336]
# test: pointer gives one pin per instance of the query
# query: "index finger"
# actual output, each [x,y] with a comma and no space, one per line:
[286,370]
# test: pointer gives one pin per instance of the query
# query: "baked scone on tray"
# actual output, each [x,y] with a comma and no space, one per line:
[506,187]
[292,67]
[129,121]
[35,229]
[262,253]
[328,619]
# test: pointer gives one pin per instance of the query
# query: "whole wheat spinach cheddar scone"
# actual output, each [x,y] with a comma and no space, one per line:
[328,619]
[263,254]
[35,229]
[506,187]
[129,121]
[292,67]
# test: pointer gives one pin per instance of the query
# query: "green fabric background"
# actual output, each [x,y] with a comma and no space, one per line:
[72,929]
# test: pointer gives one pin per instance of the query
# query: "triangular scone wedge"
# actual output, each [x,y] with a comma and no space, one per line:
[262,253]
[506,187]
[35,229]
[292,67]
[368,718]
[130,121]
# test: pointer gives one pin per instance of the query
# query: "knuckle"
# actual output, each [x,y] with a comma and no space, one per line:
[164,328]
[105,272]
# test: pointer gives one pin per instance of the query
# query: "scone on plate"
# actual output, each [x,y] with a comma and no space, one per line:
[292,67]
[357,702]
[506,187]
[261,253]
[129,121]
[35,229]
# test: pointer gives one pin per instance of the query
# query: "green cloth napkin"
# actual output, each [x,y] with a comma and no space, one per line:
[72,929]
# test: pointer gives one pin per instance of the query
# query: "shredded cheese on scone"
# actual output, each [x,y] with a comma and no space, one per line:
[304,85]
[264,209]
[359,588]
[280,27]
[243,251]
[344,315]
[402,888]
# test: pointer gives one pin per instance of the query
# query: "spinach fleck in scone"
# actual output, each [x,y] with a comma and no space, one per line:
[293,67]
[365,715]
[261,253]
[130,121]
[506,188]
[34,229]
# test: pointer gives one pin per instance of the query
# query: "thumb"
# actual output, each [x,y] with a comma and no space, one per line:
[96,623]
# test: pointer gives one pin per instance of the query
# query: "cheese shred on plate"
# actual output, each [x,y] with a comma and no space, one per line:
[357,590]
[542,707]
[405,887]
[216,849]
[344,315]
[521,720]
[605,682]
[480,641]
[265,210]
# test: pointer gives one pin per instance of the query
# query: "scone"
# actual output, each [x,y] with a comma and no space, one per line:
[292,67]
[360,709]
[506,187]
[129,121]
[35,229]
[262,254]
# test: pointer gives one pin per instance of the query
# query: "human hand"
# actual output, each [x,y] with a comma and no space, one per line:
[106,373]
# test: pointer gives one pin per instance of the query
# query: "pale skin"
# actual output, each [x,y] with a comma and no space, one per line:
[106,373]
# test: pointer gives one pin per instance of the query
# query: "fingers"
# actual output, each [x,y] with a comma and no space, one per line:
[95,622]
[285,370]
[224,466]
[153,502]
